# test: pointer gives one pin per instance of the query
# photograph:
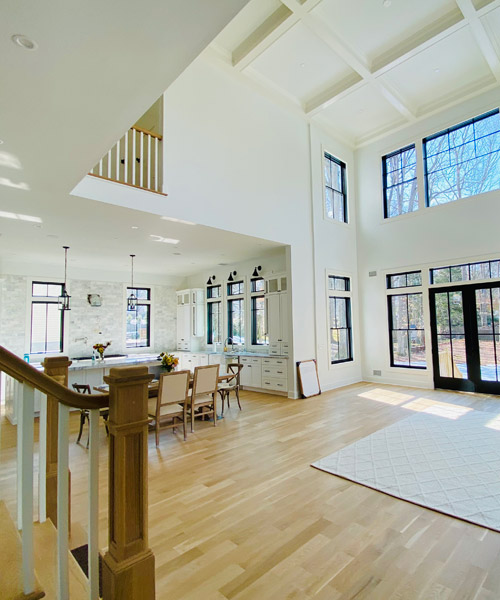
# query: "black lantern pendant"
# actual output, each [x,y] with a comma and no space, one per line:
[132,299]
[63,299]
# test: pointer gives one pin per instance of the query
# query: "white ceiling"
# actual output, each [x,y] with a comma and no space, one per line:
[101,238]
[62,108]
[362,67]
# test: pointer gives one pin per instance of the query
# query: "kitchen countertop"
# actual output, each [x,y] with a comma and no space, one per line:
[130,360]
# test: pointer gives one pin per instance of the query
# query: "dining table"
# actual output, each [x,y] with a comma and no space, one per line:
[153,385]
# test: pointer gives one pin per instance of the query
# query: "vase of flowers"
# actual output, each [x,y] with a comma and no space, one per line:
[168,361]
[99,348]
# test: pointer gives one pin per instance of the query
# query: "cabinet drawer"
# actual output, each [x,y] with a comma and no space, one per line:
[245,360]
[275,372]
[274,362]
[272,383]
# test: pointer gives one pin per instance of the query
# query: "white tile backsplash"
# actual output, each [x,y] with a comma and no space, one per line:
[96,324]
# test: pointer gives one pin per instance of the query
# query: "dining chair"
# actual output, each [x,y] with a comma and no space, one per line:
[232,384]
[204,393]
[84,388]
[171,404]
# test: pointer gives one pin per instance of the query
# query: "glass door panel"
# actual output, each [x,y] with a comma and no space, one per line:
[487,317]
[450,332]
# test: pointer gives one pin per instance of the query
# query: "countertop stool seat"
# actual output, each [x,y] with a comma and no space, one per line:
[232,384]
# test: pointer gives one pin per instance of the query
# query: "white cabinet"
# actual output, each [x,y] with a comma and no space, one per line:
[274,374]
[277,315]
[251,374]
[190,360]
[190,317]
[276,284]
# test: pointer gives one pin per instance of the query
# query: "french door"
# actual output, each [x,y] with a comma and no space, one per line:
[465,328]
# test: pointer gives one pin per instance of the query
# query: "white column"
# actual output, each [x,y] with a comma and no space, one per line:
[94,504]
[63,503]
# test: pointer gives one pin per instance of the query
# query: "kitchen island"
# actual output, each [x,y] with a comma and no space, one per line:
[261,372]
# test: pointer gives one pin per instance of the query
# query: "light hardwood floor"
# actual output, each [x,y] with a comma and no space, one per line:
[236,512]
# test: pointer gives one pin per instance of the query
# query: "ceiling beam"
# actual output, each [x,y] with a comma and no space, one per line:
[481,36]
[422,39]
[261,38]
[332,94]
[349,56]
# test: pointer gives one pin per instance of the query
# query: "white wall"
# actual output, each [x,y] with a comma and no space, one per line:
[97,324]
[334,252]
[236,161]
[465,230]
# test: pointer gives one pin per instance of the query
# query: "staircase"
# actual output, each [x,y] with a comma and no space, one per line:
[11,577]
[35,560]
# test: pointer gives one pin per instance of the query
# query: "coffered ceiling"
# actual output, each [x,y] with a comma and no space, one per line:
[364,67]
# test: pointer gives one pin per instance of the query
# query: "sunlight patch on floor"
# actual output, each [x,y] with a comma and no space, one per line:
[435,407]
[494,423]
[386,396]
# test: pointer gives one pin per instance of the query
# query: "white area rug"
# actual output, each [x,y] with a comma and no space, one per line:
[451,465]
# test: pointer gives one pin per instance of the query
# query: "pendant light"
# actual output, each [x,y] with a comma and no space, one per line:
[63,299]
[132,299]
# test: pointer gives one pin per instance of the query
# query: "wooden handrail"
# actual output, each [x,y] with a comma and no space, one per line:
[151,133]
[25,373]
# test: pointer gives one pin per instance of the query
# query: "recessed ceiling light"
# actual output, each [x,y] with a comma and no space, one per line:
[302,65]
[24,42]
[1,142]
[222,264]
[134,227]
[176,253]
[437,70]
[174,220]
[160,238]
[387,3]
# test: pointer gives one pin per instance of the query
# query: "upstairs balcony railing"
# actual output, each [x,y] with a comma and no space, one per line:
[136,160]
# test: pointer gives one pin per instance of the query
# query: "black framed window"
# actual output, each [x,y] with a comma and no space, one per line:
[257,285]
[399,171]
[335,189]
[214,322]
[236,320]
[138,323]
[463,160]
[236,288]
[259,336]
[340,329]
[406,331]
[214,291]
[409,279]
[487,269]
[341,284]
[47,321]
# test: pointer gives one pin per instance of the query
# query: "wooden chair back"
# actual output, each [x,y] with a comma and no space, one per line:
[205,380]
[82,388]
[173,388]
[235,368]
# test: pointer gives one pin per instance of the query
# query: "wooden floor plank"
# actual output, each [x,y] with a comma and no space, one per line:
[236,511]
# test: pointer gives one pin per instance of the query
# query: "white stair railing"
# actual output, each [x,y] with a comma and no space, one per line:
[128,429]
[135,159]
[25,441]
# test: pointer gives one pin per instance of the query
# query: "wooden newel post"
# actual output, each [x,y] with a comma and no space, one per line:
[128,565]
[57,368]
